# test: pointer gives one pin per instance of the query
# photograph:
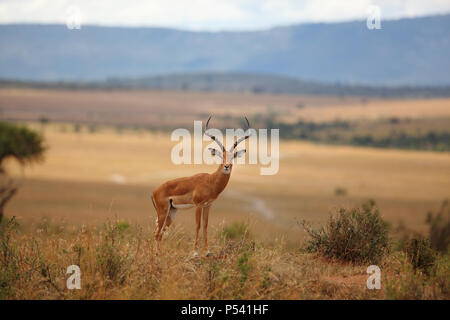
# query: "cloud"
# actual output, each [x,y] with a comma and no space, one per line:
[212,14]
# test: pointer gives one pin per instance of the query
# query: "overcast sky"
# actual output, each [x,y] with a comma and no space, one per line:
[211,14]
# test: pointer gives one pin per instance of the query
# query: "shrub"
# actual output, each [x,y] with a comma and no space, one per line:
[92,128]
[235,231]
[358,235]
[9,269]
[44,120]
[340,191]
[439,233]
[77,128]
[441,274]
[405,285]
[123,225]
[420,254]
[112,262]
[401,236]
[244,267]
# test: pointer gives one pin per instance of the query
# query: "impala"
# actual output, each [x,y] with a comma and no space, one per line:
[198,191]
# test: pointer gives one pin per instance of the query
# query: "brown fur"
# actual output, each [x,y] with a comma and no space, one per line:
[200,190]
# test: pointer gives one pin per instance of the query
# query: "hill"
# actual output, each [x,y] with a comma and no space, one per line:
[406,51]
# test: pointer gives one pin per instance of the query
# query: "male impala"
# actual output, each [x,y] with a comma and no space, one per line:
[199,190]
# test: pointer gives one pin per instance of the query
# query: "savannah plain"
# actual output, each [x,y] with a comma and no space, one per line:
[107,151]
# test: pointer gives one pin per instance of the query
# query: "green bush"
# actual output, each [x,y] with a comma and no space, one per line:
[439,223]
[9,265]
[235,231]
[358,235]
[123,225]
[406,284]
[244,267]
[441,274]
[340,191]
[77,128]
[421,255]
[111,260]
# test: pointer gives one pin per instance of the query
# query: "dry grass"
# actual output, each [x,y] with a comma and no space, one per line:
[379,109]
[64,202]
[157,108]
[139,107]
[90,178]
[78,181]
[118,261]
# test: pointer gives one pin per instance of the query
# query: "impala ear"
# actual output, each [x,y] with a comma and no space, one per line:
[239,153]
[215,152]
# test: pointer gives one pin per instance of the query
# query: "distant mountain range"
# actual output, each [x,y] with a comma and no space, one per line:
[238,82]
[404,52]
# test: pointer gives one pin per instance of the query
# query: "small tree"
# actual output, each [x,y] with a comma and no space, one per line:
[23,145]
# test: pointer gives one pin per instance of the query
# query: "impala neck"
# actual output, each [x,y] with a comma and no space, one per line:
[220,180]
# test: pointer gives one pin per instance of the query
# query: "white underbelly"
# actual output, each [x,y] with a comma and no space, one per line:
[182,206]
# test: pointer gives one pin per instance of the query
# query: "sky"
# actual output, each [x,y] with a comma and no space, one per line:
[211,15]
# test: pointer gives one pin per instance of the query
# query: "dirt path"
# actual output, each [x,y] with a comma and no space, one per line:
[255,204]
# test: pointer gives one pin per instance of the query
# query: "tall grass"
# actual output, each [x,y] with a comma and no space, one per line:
[119,261]
[439,224]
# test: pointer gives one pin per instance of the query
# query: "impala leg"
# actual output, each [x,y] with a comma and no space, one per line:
[205,230]
[159,225]
[158,228]
[198,218]
[163,215]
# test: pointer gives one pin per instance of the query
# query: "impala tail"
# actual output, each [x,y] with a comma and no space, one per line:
[153,201]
